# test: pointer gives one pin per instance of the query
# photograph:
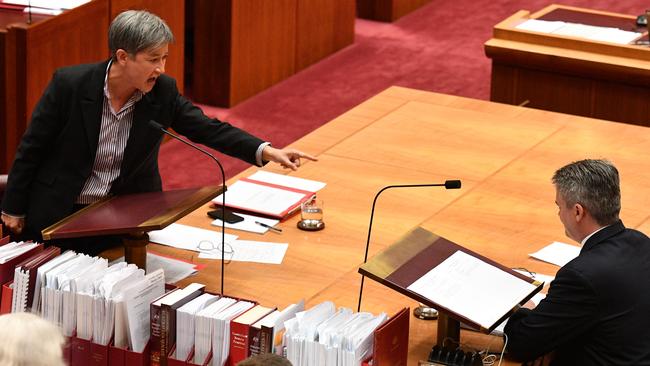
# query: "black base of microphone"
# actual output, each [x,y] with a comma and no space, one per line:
[225,215]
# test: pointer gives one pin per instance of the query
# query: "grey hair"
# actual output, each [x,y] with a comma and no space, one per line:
[137,30]
[594,184]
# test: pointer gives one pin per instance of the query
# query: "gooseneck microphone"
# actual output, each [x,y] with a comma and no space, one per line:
[449,184]
[157,126]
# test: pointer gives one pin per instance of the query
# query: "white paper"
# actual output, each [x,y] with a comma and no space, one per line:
[557,253]
[175,270]
[249,224]
[187,237]
[287,181]
[252,251]
[259,198]
[595,33]
[137,300]
[472,288]
[542,26]
[48,4]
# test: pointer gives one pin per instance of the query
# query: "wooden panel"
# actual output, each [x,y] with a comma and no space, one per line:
[263,45]
[554,92]
[502,85]
[173,13]
[211,59]
[387,10]
[257,43]
[323,27]
[621,102]
[16,95]
[3,106]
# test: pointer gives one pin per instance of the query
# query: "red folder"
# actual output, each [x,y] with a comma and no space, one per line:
[98,354]
[7,268]
[67,351]
[293,208]
[4,240]
[7,295]
[391,341]
[125,357]
[80,352]
[31,265]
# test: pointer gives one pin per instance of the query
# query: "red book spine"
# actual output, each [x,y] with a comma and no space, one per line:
[7,295]
[254,341]
[238,342]
[154,339]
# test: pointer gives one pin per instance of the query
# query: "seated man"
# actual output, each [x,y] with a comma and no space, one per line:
[597,310]
[90,136]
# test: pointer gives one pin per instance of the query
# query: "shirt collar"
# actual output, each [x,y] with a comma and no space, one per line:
[592,234]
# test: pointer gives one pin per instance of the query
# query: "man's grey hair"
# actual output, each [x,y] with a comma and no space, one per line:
[137,30]
[594,184]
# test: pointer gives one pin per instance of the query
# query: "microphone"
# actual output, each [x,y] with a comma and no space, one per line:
[157,126]
[449,184]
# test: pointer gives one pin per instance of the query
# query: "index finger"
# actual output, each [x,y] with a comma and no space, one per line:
[306,156]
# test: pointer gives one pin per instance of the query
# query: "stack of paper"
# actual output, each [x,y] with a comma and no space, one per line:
[323,336]
[212,329]
[185,320]
[595,33]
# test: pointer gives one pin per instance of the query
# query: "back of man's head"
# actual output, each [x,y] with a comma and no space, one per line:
[265,359]
[594,184]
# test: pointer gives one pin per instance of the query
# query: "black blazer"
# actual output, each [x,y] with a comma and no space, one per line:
[56,154]
[597,311]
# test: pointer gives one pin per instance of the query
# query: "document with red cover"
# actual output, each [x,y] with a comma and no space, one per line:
[391,341]
[5,298]
[14,253]
[240,332]
[25,278]
[269,194]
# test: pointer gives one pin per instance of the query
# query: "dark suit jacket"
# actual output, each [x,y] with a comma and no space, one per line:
[56,154]
[597,311]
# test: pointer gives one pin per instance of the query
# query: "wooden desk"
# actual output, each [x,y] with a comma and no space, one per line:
[387,10]
[504,211]
[31,53]
[571,75]
[244,47]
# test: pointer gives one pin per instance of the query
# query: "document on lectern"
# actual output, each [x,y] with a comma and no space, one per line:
[456,281]
[461,281]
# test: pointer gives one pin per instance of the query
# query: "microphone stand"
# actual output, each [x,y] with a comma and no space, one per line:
[449,184]
[158,126]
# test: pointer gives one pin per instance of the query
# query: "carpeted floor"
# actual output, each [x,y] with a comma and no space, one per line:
[439,48]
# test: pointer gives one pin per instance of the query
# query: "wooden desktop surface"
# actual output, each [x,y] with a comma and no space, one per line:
[569,74]
[504,155]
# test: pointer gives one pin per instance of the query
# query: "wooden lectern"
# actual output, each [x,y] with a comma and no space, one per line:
[418,252]
[132,216]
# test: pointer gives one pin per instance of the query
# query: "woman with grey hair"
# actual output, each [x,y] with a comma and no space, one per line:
[90,134]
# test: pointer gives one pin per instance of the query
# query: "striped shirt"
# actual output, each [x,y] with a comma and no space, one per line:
[113,136]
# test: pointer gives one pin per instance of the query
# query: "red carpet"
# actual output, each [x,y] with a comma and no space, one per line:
[438,48]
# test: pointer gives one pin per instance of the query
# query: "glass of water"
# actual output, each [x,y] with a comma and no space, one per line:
[311,215]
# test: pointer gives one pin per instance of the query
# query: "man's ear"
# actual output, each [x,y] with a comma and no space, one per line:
[579,212]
